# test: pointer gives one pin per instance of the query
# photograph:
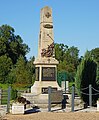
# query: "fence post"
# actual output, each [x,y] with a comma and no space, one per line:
[49,99]
[72,99]
[0,95]
[90,95]
[8,102]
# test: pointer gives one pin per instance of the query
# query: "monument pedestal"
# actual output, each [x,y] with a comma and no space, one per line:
[46,75]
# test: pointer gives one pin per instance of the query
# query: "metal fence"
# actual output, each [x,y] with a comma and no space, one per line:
[53,96]
[5,97]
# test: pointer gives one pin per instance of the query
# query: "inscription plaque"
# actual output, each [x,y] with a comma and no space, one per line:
[45,90]
[48,74]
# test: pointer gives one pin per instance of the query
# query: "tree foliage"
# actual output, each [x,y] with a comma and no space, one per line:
[20,74]
[12,67]
[5,67]
[95,56]
[68,59]
[11,45]
[31,68]
[86,74]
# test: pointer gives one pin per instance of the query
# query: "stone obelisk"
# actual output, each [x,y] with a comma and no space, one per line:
[45,63]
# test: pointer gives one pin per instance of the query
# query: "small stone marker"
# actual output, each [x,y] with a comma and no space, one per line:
[17,108]
[4,107]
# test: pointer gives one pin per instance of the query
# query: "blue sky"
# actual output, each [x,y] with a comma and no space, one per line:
[76,22]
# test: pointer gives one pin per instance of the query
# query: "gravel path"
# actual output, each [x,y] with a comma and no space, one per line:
[58,114]
[55,116]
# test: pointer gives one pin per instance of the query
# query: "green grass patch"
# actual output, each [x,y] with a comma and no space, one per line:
[14,86]
[4,86]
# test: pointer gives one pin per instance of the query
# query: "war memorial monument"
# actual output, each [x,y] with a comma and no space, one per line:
[45,63]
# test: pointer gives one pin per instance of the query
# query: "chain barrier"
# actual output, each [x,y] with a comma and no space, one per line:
[88,91]
[84,93]
[80,90]
[95,94]
[84,88]
[95,89]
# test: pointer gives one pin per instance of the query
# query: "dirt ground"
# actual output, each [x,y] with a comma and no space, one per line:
[55,116]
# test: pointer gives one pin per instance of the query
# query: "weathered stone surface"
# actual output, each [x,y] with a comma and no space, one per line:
[46,38]
[2,113]
[46,51]
[3,107]
[17,108]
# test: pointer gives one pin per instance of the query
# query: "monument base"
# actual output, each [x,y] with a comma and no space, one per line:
[42,87]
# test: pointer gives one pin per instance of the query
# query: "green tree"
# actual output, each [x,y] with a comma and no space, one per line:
[60,50]
[67,56]
[72,57]
[95,56]
[20,74]
[68,59]
[11,48]
[11,45]
[31,68]
[5,67]
[86,74]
